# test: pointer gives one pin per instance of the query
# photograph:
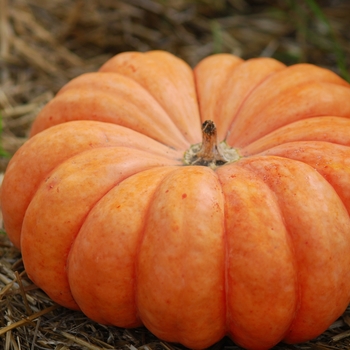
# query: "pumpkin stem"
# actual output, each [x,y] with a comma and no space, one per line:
[209,152]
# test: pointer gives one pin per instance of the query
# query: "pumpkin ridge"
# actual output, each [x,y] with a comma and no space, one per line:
[319,196]
[331,129]
[183,268]
[34,148]
[229,81]
[90,104]
[254,236]
[246,98]
[291,245]
[325,157]
[141,238]
[226,259]
[296,101]
[208,67]
[113,88]
[47,192]
[162,66]
[174,79]
[86,233]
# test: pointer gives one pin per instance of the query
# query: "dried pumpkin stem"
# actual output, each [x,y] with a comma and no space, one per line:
[209,152]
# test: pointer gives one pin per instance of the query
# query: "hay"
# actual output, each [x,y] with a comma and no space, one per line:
[30,320]
[44,44]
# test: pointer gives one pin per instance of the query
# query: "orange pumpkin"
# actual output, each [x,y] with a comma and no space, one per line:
[120,210]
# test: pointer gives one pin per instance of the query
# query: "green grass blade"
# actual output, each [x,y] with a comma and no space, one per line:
[3,153]
[340,56]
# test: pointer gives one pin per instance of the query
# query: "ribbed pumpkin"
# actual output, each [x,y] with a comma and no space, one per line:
[120,210]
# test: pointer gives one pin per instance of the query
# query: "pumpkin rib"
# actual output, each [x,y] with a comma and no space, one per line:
[328,128]
[211,75]
[256,241]
[299,102]
[167,79]
[128,89]
[125,205]
[88,103]
[310,198]
[25,173]
[222,99]
[257,75]
[71,183]
[291,78]
[142,236]
[331,160]
[196,318]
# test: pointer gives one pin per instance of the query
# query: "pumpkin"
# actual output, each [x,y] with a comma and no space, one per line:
[199,203]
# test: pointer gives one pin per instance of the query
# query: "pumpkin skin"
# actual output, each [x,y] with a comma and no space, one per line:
[110,222]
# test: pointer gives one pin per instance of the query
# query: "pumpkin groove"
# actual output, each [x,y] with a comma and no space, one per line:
[258,249]
[107,220]
[23,179]
[181,295]
[167,79]
[118,221]
[333,129]
[119,100]
[280,175]
[300,102]
[332,161]
[82,179]
[223,90]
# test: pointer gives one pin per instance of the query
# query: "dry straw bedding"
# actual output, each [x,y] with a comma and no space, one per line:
[44,44]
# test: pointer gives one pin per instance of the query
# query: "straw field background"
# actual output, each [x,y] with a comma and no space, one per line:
[44,44]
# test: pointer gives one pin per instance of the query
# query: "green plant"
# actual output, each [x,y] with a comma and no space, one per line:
[3,153]
[302,15]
